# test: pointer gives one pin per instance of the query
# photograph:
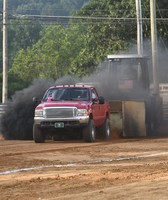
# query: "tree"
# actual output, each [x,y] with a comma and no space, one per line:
[22,34]
[56,54]
[76,49]
[79,47]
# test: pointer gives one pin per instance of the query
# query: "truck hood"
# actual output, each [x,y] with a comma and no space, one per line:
[78,104]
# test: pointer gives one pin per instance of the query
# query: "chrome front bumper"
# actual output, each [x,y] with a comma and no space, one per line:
[80,119]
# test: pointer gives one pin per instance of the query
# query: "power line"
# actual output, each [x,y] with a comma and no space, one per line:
[94,18]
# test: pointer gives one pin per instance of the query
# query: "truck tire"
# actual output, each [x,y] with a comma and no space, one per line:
[106,129]
[89,133]
[38,136]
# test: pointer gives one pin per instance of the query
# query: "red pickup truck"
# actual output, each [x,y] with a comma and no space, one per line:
[75,107]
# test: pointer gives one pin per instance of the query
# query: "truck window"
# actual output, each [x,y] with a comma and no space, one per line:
[48,94]
[57,94]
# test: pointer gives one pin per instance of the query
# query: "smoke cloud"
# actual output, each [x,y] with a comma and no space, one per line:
[17,121]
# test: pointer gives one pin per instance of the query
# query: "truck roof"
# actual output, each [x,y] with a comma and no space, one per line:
[73,86]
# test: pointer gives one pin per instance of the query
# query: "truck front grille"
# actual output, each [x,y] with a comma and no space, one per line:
[63,112]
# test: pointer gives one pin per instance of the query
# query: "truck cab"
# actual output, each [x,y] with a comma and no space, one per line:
[129,76]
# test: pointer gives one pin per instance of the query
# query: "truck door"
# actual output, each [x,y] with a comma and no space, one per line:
[95,107]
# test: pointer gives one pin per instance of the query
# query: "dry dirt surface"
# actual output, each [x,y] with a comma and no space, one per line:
[115,170]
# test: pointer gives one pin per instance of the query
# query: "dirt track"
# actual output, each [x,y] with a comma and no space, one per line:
[120,169]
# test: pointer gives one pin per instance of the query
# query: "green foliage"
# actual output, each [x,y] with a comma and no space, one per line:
[21,35]
[59,52]
[15,84]
[114,28]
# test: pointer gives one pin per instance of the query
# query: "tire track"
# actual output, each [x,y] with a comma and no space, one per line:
[84,163]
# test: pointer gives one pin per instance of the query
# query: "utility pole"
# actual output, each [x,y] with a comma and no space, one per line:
[139,28]
[154,46]
[5,55]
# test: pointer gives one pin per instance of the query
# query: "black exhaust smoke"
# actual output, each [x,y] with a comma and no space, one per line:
[17,121]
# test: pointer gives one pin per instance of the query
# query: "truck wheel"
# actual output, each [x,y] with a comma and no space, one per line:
[106,129]
[38,136]
[89,133]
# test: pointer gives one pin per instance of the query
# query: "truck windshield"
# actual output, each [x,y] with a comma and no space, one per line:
[66,94]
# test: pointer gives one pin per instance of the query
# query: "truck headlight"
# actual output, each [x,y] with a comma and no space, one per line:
[38,113]
[82,112]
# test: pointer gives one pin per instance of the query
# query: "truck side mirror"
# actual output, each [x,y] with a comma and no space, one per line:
[36,101]
[101,100]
